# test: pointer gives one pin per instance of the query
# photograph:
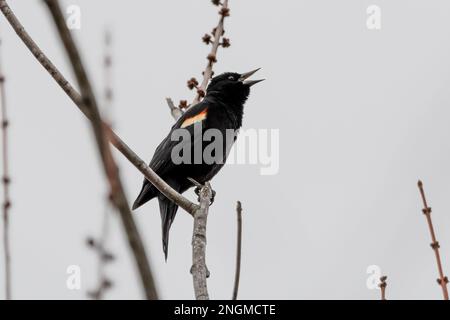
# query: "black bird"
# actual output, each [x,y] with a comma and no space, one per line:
[222,109]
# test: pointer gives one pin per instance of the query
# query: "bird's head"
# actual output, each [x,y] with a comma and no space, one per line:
[232,87]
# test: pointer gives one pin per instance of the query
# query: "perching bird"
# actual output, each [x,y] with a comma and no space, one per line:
[222,109]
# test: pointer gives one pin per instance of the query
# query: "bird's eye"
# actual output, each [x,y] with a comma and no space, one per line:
[231,78]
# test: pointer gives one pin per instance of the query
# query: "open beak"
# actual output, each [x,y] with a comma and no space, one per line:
[247,75]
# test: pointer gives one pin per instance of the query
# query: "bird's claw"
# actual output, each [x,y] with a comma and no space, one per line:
[197,192]
[213,195]
[198,187]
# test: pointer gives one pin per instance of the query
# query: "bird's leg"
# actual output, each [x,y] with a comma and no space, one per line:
[197,192]
[198,187]
[213,195]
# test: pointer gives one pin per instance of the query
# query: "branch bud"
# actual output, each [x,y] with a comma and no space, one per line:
[212,58]
[206,38]
[192,83]
[201,92]
[224,12]
[226,42]
[91,242]
[183,104]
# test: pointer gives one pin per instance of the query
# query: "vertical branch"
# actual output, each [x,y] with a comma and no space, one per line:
[383,285]
[111,171]
[443,280]
[238,250]
[199,270]
[6,182]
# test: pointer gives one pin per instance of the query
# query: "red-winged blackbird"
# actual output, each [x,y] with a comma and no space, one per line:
[221,109]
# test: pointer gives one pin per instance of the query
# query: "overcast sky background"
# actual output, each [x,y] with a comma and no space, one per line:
[362,115]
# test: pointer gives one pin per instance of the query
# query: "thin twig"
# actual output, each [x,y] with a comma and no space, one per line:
[111,171]
[207,74]
[6,182]
[175,111]
[108,94]
[443,280]
[212,56]
[104,257]
[199,270]
[238,250]
[383,285]
[120,145]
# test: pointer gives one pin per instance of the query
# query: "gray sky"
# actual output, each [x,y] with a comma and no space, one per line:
[362,114]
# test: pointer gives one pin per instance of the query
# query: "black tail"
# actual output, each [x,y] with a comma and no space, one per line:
[168,211]
[147,193]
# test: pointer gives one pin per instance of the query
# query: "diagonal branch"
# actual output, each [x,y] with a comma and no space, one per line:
[237,275]
[111,171]
[6,183]
[443,280]
[200,211]
[212,56]
[218,32]
[175,111]
[117,142]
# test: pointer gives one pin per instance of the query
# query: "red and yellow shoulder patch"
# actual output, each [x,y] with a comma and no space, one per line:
[197,118]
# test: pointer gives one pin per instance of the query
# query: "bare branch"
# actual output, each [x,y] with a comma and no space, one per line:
[443,280]
[175,111]
[212,56]
[111,171]
[218,32]
[104,257]
[383,285]
[6,182]
[237,275]
[199,270]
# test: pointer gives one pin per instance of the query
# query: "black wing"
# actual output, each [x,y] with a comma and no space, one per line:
[161,162]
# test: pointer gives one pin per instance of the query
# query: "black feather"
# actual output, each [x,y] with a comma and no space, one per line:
[168,210]
[147,193]
[223,105]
